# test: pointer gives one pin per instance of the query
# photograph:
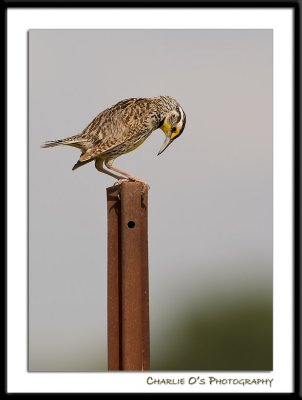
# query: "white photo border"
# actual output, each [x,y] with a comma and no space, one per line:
[19,21]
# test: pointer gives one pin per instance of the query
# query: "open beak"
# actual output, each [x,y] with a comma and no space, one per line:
[166,143]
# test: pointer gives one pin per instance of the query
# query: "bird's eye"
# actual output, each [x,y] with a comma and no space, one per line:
[173,129]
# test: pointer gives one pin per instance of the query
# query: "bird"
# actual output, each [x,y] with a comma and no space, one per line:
[123,127]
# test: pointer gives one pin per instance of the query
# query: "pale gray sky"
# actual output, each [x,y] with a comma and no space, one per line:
[210,202]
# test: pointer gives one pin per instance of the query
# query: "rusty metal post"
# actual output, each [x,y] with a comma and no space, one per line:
[128,292]
[113,279]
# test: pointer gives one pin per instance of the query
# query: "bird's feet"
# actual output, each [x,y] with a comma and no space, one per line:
[131,179]
[119,181]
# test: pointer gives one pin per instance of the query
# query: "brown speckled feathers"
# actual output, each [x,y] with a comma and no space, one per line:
[118,129]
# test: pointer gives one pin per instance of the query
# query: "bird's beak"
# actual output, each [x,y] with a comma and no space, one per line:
[166,143]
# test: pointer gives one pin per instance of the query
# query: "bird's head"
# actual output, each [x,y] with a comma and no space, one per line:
[172,125]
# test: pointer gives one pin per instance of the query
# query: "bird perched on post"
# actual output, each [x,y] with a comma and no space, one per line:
[122,128]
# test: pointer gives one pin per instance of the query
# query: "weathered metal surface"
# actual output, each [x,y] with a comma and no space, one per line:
[113,280]
[128,292]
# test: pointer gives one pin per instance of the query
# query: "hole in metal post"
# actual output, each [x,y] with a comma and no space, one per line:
[131,224]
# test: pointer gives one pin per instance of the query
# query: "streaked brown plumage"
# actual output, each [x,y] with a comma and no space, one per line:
[122,128]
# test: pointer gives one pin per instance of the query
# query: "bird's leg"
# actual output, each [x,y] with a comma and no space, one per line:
[99,167]
[130,177]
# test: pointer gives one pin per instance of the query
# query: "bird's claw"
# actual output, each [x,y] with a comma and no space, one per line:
[119,181]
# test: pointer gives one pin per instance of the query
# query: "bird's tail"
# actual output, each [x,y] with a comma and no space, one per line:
[52,143]
[75,141]
[81,163]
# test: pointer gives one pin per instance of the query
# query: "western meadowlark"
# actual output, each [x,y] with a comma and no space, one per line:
[122,128]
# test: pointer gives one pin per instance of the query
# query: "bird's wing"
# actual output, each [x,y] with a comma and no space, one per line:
[114,127]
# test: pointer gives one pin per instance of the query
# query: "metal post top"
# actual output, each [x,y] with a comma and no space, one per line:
[129,185]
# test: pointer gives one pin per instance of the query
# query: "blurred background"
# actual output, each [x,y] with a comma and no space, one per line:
[210,202]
